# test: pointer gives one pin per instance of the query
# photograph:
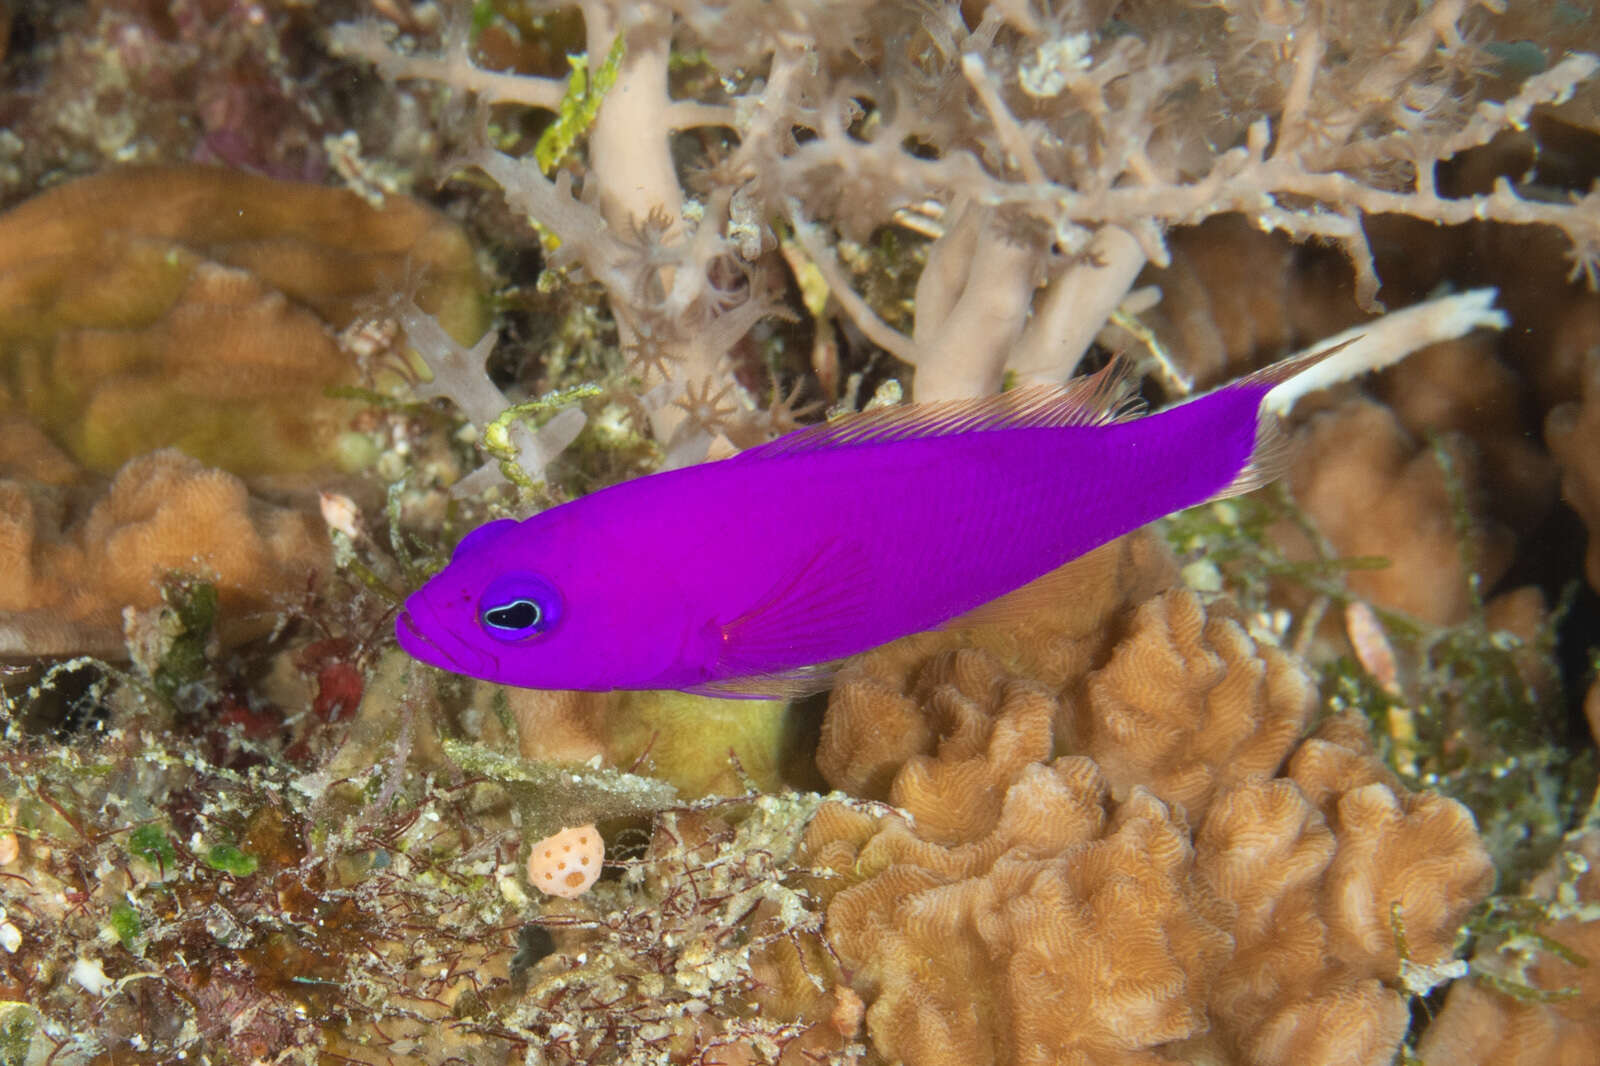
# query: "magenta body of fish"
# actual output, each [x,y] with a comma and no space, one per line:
[736,576]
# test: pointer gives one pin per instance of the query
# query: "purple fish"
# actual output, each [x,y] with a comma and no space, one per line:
[755,575]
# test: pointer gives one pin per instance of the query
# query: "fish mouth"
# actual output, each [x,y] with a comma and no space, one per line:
[438,646]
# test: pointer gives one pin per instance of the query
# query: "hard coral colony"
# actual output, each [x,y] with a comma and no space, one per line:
[1147,809]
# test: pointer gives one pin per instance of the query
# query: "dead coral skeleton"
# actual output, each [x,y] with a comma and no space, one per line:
[1045,158]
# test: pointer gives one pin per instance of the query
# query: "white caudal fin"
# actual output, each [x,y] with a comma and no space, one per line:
[1385,341]
[1370,346]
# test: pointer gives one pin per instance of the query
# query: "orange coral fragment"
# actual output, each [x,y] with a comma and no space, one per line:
[63,589]
[1375,491]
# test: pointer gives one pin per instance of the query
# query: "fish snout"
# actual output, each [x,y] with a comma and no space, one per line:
[424,637]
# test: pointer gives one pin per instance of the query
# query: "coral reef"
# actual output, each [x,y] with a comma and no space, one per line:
[1114,842]
[107,82]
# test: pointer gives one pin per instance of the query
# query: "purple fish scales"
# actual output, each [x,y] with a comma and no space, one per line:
[749,576]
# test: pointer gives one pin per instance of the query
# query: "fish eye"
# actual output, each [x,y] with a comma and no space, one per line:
[518,614]
[517,606]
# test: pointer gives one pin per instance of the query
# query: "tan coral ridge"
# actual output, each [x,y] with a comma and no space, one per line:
[1559,1024]
[1130,864]
[63,587]
[197,307]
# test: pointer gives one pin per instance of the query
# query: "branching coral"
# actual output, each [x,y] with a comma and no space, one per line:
[1043,154]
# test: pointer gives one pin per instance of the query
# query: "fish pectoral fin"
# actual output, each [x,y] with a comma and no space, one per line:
[800,623]
[793,684]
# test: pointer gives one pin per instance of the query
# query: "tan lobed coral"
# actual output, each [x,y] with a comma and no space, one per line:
[66,580]
[1372,489]
[1573,432]
[1179,880]
[1460,387]
[1051,631]
[1559,1023]
[197,307]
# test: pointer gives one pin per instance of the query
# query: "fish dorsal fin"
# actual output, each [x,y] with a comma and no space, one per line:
[1097,400]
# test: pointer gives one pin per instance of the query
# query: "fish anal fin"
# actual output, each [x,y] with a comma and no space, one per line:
[785,685]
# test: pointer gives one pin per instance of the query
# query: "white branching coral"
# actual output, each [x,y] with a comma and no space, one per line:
[1045,153]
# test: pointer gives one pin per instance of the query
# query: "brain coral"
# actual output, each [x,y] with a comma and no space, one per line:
[197,307]
[1133,863]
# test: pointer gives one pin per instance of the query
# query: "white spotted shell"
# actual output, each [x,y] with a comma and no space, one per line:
[565,864]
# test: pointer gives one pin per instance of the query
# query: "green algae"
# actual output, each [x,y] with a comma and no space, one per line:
[579,105]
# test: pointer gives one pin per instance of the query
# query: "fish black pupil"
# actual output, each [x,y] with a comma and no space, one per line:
[518,614]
